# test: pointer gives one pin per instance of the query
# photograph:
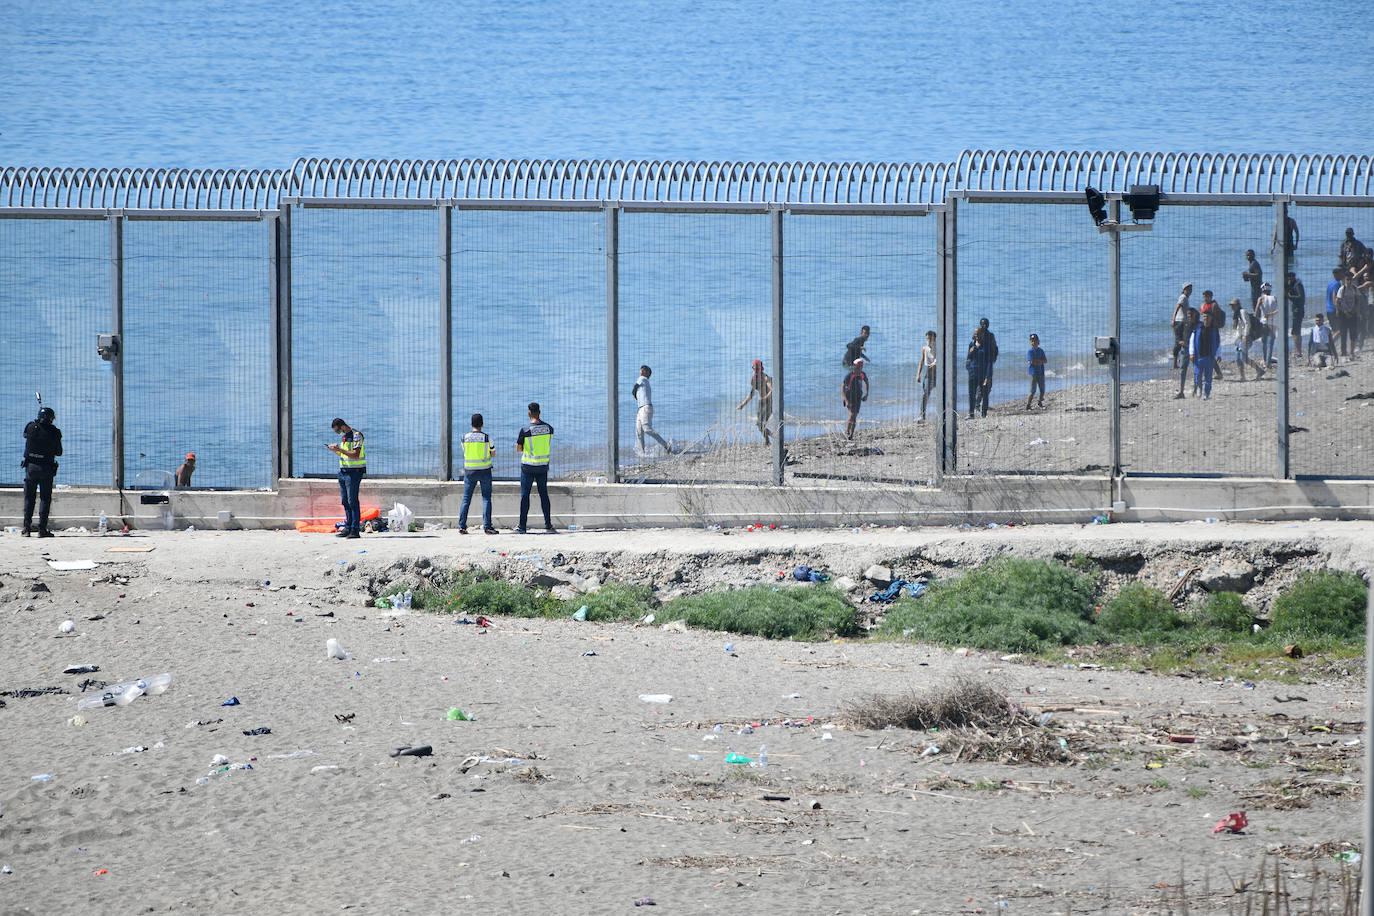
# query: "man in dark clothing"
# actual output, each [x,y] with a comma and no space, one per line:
[1255,274]
[1297,308]
[854,350]
[352,452]
[1351,248]
[1202,348]
[534,444]
[854,390]
[42,446]
[982,353]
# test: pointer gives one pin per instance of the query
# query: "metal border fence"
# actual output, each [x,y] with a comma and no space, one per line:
[775,191]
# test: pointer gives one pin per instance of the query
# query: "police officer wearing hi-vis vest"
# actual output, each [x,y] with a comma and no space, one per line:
[477,452]
[352,452]
[534,440]
[42,445]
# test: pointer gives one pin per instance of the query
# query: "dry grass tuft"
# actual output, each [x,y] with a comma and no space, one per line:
[966,703]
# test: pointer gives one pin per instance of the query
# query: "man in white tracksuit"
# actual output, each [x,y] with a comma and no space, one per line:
[644,416]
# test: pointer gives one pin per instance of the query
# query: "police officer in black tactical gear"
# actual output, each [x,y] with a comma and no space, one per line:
[42,445]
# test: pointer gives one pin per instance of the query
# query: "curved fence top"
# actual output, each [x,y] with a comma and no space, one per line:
[722,182]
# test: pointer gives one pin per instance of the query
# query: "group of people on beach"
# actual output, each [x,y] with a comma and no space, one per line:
[1347,319]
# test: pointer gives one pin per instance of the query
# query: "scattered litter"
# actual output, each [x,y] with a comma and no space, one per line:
[80,669]
[232,701]
[399,519]
[68,626]
[456,714]
[580,613]
[423,750]
[290,756]
[258,731]
[534,558]
[733,757]
[384,659]
[42,777]
[656,697]
[807,574]
[71,565]
[125,693]
[928,752]
[645,901]
[1232,823]
[333,650]
[1349,856]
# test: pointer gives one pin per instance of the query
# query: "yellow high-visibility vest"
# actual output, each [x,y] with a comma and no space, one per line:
[361,460]
[476,452]
[535,451]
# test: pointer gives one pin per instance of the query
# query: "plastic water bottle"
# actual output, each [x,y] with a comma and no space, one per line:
[104,524]
[406,600]
[763,755]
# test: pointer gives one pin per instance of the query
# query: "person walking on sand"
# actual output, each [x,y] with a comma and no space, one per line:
[1179,322]
[1203,347]
[1211,310]
[926,372]
[1350,303]
[534,442]
[644,415]
[42,447]
[188,467]
[854,350]
[854,391]
[1246,332]
[1191,321]
[1035,368]
[979,366]
[477,454]
[1297,309]
[761,383]
[1253,273]
[352,452]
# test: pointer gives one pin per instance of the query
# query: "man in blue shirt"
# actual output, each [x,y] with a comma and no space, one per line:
[1203,347]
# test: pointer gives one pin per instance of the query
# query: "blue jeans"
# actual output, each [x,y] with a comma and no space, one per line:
[349,481]
[532,476]
[470,481]
[1270,334]
[1202,373]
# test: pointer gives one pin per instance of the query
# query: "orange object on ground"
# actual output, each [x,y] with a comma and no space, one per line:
[1232,823]
[326,525]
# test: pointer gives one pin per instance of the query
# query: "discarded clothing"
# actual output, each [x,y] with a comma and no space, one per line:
[807,574]
[893,591]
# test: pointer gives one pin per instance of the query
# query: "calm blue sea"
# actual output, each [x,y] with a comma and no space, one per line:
[258,84]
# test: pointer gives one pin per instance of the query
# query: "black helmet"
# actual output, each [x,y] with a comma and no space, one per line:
[46,415]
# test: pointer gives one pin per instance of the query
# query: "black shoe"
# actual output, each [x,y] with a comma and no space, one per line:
[352,534]
[341,533]
[521,531]
[462,531]
[45,533]
[489,531]
[550,529]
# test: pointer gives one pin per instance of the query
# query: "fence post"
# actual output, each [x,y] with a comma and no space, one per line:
[1284,469]
[949,326]
[1114,281]
[281,344]
[612,341]
[117,363]
[445,343]
[779,425]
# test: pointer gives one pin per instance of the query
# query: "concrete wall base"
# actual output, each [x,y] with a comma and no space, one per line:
[965,500]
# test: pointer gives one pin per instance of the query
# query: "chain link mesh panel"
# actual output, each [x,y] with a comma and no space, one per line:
[365,337]
[198,319]
[1233,432]
[843,273]
[529,324]
[695,306]
[55,299]
[1331,397]
[1031,269]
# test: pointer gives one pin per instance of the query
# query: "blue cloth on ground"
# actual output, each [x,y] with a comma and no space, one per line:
[807,574]
[893,591]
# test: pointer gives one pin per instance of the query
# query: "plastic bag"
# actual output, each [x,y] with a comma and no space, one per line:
[399,518]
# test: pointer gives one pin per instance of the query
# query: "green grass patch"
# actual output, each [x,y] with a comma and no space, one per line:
[1010,605]
[1138,609]
[762,610]
[1225,611]
[473,593]
[1325,602]
[615,601]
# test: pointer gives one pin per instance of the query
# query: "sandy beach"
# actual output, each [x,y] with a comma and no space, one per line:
[1234,433]
[569,793]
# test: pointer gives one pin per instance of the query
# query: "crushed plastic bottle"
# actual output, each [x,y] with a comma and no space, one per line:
[125,693]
